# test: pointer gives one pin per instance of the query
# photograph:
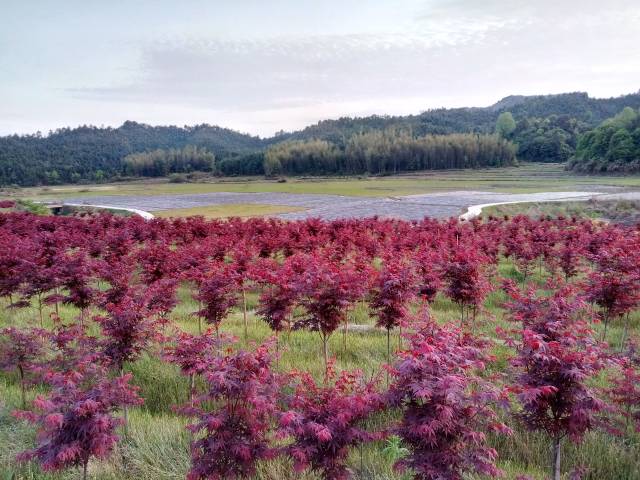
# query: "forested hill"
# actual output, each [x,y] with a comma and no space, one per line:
[546,129]
[92,153]
[590,111]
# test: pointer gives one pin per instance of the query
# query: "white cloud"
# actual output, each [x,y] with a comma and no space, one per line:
[371,59]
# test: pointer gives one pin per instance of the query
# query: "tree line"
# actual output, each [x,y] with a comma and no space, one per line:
[388,152]
[547,128]
[160,163]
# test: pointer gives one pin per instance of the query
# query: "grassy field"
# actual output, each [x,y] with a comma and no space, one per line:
[158,444]
[622,211]
[228,210]
[527,178]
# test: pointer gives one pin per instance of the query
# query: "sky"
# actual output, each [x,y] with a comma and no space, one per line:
[261,66]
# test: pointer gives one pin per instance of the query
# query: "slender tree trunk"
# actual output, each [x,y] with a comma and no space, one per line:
[199,325]
[192,389]
[40,310]
[84,468]
[473,318]
[345,330]
[125,413]
[244,313]
[399,337]
[540,266]
[625,332]
[555,472]
[23,392]
[325,351]
[388,352]
[605,320]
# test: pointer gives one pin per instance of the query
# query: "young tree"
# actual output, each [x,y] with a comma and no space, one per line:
[329,289]
[157,261]
[76,274]
[243,255]
[393,288]
[161,299]
[429,273]
[556,356]
[75,421]
[625,393]
[324,422]
[41,274]
[280,293]
[21,350]
[614,285]
[234,435]
[217,293]
[128,330]
[192,353]
[446,407]
[466,280]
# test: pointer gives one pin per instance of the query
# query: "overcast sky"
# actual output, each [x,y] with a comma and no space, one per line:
[261,66]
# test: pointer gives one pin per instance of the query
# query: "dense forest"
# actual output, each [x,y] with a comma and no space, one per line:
[387,152]
[546,128]
[613,146]
[160,163]
[94,154]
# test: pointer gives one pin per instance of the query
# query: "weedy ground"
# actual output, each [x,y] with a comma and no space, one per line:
[618,211]
[157,447]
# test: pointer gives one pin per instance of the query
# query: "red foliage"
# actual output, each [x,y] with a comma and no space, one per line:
[556,357]
[625,394]
[392,289]
[324,422]
[192,353]
[75,421]
[157,261]
[467,283]
[615,284]
[127,329]
[328,290]
[429,269]
[21,350]
[217,293]
[281,291]
[446,407]
[76,273]
[243,391]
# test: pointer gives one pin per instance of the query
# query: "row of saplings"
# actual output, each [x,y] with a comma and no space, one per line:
[446,401]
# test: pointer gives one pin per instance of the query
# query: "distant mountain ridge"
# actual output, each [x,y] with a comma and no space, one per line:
[579,105]
[89,153]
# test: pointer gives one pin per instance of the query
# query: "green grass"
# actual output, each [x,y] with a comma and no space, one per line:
[228,210]
[158,444]
[526,178]
[609,210]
